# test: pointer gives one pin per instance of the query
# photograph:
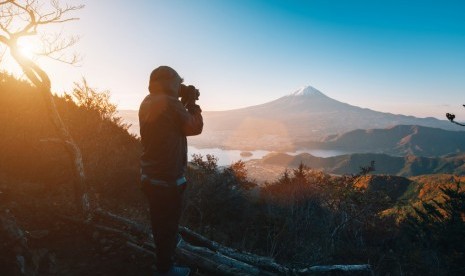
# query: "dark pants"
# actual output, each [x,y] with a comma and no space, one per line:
[165,210]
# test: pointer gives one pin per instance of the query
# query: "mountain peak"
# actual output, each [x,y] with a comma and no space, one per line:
[307,91]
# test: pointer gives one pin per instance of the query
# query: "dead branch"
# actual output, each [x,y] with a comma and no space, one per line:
[137,227]
[226,265]
[139,248]
[347,220]
[332,268]
[246,257]
[33,16]
[197,260]
[53,46]
[451,118]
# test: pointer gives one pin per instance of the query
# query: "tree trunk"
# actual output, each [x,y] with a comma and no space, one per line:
[40,79]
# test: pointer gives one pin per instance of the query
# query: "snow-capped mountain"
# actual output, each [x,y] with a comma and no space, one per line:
[304,115]
[307,91]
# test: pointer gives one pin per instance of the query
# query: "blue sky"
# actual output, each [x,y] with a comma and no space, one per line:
[396,56]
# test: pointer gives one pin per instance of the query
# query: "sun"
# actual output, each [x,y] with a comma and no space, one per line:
[28,47]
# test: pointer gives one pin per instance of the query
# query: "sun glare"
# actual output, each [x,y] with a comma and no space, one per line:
[27,47]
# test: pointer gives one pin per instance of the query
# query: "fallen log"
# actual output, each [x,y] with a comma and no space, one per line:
[333,268]
[256,260]
[140,248]
[216,258]
[197,256]
[226,252]
[208,257]
[134,226]
[228,265]
[246,257]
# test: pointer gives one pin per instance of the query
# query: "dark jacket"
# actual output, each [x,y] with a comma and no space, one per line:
[164,124]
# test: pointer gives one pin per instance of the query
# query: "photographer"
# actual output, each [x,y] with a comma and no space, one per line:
[165,121]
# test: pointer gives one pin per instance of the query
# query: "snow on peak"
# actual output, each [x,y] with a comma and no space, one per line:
[307,91]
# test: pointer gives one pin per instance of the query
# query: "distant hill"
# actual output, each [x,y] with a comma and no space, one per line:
[305,115]
[384,164]
[399,140]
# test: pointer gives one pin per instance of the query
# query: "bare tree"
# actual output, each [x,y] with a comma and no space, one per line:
[25,18]
[451,117]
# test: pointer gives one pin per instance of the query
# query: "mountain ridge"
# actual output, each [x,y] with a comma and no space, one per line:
[291,121]
[399,140]
[304,115]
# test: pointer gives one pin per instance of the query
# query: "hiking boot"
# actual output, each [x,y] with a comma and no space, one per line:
[176,271]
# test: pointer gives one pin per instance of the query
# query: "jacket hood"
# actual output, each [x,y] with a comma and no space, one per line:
[162,81]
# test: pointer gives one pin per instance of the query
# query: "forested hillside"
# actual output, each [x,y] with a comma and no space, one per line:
[345,164]
[31,152]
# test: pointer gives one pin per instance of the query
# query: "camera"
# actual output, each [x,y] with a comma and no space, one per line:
[189,94]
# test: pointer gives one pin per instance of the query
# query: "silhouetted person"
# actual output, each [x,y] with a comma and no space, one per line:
[164,124]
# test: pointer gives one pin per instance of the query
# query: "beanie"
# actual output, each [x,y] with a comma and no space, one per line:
[163,73]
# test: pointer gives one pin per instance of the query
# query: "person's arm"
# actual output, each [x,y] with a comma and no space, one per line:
[191,119]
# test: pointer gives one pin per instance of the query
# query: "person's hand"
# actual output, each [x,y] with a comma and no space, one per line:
[194,108]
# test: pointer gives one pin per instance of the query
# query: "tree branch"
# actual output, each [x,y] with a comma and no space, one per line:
[32,18]
[4,40]
[55,44]
[451,118]
[36,19]
[139,248]
[334,268]
[457,123]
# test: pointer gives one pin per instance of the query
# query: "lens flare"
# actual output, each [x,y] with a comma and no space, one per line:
[27,47]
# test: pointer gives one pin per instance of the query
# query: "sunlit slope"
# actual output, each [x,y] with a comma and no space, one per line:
[31,152]
[412,189]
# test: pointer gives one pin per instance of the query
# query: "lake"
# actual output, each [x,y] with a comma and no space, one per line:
[227,157]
